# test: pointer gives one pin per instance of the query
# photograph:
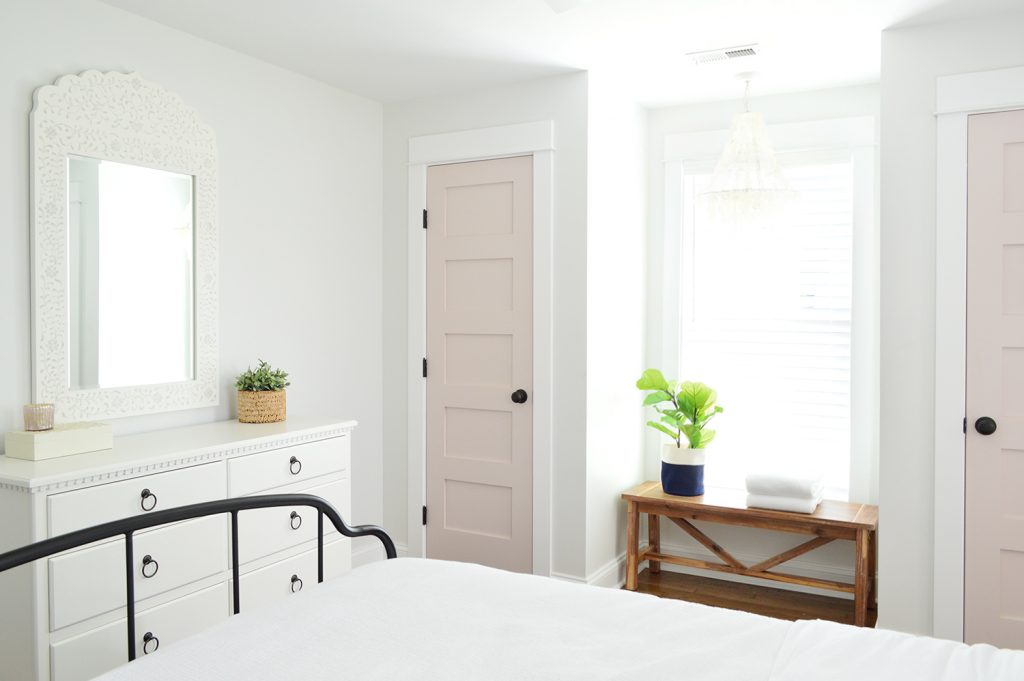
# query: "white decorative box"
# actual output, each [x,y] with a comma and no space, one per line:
[64,440]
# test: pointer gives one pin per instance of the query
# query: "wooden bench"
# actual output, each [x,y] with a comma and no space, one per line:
[832,520]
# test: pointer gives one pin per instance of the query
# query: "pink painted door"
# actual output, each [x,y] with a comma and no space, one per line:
[480,363]
[994,542]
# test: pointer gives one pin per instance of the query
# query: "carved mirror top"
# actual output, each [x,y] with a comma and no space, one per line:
[119,117]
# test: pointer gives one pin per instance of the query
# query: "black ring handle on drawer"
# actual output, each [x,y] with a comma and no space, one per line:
[148,498]
[294,465]
[296,584]
[295,520]
[149,566]
[146,640]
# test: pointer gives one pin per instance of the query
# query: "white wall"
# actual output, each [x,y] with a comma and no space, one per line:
[912,58]
[562,99]
[834,561]
[300,211]
[616,241]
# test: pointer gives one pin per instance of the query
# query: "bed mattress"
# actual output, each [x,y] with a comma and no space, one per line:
[423,619]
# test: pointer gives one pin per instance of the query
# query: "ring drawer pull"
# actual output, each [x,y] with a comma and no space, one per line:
[296,584]
[296,520]
[146,640]
[148,498]
[148,563]
[295,466]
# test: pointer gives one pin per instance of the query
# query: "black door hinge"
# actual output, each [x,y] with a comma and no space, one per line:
[424,218]
[965,425]
[424,515]
[424,367]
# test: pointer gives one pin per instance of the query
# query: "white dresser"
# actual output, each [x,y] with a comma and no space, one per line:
[63,618]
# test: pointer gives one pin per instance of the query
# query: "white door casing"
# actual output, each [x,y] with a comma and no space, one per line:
[479,351]
[536,138]
[957,96]
[994,511]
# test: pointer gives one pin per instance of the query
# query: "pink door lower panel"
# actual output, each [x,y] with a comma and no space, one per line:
[994,541]
[479,351]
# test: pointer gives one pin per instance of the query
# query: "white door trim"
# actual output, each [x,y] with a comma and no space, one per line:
[535,138]
[957,97]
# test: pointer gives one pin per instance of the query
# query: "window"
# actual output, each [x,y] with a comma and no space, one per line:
[765,319]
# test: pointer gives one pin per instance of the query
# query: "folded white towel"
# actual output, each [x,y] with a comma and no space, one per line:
[795,486]
[777,503]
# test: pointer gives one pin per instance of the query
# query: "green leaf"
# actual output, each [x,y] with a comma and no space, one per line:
[658,426]
[692,433]
[669,419]
[657,397]
[652,380]
[706,436]
[264,377]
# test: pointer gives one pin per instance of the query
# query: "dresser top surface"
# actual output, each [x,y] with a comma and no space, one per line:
[149,452]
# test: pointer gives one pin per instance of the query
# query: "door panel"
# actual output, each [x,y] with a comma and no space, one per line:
[480,350]
[994,542]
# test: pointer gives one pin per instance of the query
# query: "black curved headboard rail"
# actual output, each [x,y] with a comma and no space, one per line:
[127,527]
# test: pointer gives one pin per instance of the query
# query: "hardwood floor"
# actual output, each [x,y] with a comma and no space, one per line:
[763,600]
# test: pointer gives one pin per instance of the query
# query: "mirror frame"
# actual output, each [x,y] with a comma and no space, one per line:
[118,117]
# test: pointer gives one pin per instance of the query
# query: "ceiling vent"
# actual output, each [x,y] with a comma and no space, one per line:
[724,54]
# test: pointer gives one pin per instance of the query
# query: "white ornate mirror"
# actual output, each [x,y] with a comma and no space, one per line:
[124,241]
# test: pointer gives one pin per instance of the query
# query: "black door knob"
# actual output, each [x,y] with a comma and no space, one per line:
[986,425]
[519,396]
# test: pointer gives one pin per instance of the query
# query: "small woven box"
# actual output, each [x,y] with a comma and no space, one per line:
[261,406]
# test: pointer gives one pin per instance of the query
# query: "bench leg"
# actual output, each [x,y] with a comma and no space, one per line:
[632,544]
[654,540]
[861,575]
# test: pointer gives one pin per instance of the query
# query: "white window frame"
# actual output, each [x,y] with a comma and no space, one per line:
[854,138]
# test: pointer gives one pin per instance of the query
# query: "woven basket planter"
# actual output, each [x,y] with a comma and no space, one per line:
[261,406]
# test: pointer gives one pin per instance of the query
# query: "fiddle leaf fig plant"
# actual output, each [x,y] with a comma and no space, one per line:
[264,377]
[684,408]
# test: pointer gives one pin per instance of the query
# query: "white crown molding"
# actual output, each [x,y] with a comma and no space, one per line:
[483,143]
[119,117]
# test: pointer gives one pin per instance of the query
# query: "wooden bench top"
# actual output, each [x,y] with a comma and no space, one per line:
[727,503]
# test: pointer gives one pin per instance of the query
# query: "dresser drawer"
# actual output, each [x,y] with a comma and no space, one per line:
[280,580]
[100,650]
[91,581]
[72,511]
[268,530]
[258,472]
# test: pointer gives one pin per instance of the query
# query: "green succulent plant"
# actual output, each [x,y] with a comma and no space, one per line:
[684,408]
[264,377]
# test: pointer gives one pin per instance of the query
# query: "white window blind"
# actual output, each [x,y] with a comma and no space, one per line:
[765,319]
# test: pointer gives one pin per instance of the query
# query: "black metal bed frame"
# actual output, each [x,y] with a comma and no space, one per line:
[127,527]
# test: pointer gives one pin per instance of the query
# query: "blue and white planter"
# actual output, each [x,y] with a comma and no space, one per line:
[682,470]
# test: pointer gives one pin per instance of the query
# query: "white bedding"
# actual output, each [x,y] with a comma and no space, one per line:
[419,619]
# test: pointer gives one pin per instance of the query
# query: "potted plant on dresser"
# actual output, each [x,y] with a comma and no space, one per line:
[684,411]
[261,394]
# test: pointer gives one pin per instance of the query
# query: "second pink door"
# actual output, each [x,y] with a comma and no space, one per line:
[994,541]
[480,362]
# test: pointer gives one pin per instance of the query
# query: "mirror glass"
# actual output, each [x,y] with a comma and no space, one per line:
[130,275]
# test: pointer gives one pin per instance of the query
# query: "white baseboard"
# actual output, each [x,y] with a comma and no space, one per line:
[611,574]
[568,578]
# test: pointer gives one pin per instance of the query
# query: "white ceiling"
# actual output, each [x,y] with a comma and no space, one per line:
[391,50]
